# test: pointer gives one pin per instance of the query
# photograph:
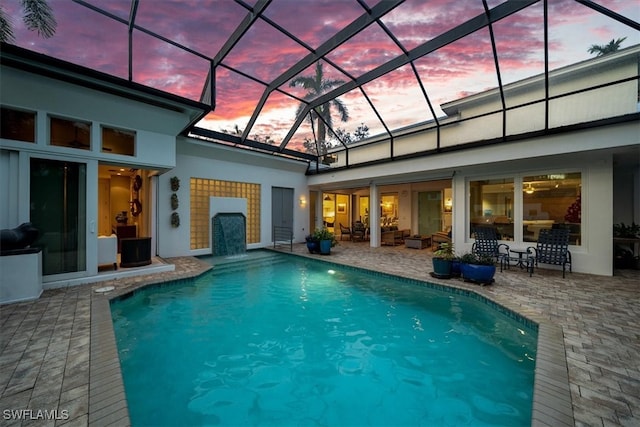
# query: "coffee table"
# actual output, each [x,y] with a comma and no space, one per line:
[417,242]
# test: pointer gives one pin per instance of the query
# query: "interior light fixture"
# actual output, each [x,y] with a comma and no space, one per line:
[529,189]
[327,198]
[303,201]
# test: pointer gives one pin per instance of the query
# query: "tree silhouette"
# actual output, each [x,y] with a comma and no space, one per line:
[342,135]
[38,16]
[612,46]
[317,85]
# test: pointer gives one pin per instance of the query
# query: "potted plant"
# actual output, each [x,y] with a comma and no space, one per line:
[626,231]
[477,268]
[455,267]
[326,238]
[623,255]
[442,261]
[313,244]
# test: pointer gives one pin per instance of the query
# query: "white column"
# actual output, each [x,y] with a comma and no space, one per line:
[374,215]
[318,215]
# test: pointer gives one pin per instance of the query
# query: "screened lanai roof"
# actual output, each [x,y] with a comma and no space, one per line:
[271,69]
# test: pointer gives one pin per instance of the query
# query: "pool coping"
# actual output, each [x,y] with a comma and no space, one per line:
[107,400]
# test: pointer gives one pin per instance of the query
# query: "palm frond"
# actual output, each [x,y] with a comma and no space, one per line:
[38,16]
[6,29]
[342,109]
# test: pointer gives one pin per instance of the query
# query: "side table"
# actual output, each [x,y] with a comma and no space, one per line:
[417,242]
[522,262]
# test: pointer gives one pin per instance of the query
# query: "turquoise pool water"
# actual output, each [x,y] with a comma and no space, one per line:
[286,341]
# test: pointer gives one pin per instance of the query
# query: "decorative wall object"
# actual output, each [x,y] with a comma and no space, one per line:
[175,220]
[175,183]
[136,206]
[175,186]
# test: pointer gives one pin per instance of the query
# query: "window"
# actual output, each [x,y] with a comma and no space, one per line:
[118,141]
[389,210]
[70,133]
[17,125]
[202,189]
[363,210]
[552,201]
[491,205]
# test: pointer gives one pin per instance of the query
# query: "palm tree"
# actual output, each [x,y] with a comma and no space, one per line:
[316,86]
[38,16]
[613,46]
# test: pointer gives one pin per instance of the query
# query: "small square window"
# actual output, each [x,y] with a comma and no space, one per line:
[118,141]
[17,125]
[70,133]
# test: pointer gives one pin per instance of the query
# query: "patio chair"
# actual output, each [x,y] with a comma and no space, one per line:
[359,231]
[440,237]
[345,231]
[486,244]
[552,248]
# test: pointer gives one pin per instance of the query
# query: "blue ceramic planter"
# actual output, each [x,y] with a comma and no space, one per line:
[482,274]
[325,247]
[313,246]
[442,268]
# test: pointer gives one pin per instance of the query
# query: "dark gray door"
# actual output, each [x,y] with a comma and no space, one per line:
[429,212]
[281,208]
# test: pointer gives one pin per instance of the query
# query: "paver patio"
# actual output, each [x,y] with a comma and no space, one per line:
[55,353]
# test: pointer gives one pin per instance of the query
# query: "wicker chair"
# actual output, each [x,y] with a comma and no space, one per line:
[552,248]
[345,232]
[486,244]
[359,231]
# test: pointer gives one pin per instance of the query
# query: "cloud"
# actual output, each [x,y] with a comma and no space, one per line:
[465,66]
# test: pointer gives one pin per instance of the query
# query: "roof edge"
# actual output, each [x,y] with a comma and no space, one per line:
[48,66]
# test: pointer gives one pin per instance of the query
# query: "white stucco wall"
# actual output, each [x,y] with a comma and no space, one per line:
[591,256]
[587,151]
[203,160]
[155,127]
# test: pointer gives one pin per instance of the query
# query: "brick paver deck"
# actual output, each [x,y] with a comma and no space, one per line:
[58,353]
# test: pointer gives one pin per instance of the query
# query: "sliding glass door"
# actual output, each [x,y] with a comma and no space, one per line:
[58,211]
[429,212]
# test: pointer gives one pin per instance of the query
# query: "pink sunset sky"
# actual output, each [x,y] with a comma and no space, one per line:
[463,67]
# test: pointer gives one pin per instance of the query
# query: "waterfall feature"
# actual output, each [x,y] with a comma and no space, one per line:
[229,234]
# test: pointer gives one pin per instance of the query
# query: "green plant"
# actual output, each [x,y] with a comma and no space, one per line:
[445,252]
[324,234]
[629,231]
[467,258]
[475,259]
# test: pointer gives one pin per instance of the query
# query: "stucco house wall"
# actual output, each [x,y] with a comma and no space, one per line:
[155,126]
[603,102]
[197,159]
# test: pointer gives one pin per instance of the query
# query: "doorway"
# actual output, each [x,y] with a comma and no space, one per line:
[281,208]
[429,212]
[58,210]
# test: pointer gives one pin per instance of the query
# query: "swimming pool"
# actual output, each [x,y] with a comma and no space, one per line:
[290,341]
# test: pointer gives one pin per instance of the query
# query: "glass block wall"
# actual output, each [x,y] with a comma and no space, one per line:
[201,189]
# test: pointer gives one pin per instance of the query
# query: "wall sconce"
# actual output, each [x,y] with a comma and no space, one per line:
[302,201]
